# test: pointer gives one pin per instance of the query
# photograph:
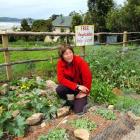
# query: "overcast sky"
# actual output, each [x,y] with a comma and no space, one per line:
[42,9]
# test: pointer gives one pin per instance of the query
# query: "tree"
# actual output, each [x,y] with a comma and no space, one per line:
[114,21]
[77,19]
[133,2]
[98,10]
[25,26]
[132,15]
[53,17]
[72,13]
[125,18]
[42,25]
[88,18]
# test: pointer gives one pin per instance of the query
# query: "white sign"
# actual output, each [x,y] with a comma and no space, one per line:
[84,35]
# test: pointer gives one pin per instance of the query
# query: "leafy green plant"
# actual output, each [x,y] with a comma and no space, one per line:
[55,134]
[110,66]
[125,103]
[101,93]
[105,113]
[26,102]
[83,123]
[15,126]
[42,137]
[27,84]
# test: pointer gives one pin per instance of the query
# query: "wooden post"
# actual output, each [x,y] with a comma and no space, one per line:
[7,57]
[67,40]
[124,38]
[99,38]
[83,51]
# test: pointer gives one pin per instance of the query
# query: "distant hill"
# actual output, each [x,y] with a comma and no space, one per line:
[8,19]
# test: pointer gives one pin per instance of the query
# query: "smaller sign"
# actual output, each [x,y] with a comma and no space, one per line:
[84,35]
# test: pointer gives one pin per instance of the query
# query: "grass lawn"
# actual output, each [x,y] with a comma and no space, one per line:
[44,68]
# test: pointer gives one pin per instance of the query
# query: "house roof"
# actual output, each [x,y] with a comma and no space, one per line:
[62,21]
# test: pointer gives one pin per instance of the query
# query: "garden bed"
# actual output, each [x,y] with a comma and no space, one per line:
[105,129]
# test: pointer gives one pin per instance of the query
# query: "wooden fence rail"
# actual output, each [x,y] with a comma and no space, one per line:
[28,49]
[6,49]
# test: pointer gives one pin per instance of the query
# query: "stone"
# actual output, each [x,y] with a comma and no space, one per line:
[43,92]
[133,116]
[15,113]
[50,85]
[63,111]
[24,102]
[82,134]
[117,91]
[65,121]
[48,39]
[111,107]
[43,124]
[34,119]
[39,80]
[14,87]
[4,89]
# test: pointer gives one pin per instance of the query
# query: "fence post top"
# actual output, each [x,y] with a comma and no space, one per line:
[3,32]
[125,31]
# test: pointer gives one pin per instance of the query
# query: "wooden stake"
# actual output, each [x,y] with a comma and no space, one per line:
[7,57]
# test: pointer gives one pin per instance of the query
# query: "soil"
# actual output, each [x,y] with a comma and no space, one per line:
[106,129]
[133,135]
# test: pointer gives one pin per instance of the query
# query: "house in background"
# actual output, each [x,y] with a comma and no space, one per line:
[60,24]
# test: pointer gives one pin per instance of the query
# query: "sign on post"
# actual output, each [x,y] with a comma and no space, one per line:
[84,35]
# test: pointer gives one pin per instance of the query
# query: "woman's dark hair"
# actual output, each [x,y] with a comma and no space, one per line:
[63,48]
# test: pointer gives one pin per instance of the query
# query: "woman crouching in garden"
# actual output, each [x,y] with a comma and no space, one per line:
[74,77]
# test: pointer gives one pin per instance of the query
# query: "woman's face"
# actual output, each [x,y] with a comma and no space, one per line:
[68,56]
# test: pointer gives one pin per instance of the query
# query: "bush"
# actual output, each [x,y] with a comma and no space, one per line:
[101,93]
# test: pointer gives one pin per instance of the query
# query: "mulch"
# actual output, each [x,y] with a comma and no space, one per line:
[106,129]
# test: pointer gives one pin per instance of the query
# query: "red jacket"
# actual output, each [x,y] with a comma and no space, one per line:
[77,72]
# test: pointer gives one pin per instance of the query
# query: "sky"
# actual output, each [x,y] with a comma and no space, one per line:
[42,9]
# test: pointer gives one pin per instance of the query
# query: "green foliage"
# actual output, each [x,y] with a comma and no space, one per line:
[27,100]
[83,123]
[42,25]
[128,104]
[99,10]
[1,132]
[109,66]
[120,15]
[15,126]
[24,25]
[55,134]
[76,20]
[42,137]
[101,93]
[107,114]
[18,126]
[88,18]
[115,20]
[54,16]
[46,69]
[27,85]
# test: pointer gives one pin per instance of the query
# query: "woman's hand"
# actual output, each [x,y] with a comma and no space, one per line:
[83,88]
[80,95]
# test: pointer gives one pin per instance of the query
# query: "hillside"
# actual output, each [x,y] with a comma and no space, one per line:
[8,19]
